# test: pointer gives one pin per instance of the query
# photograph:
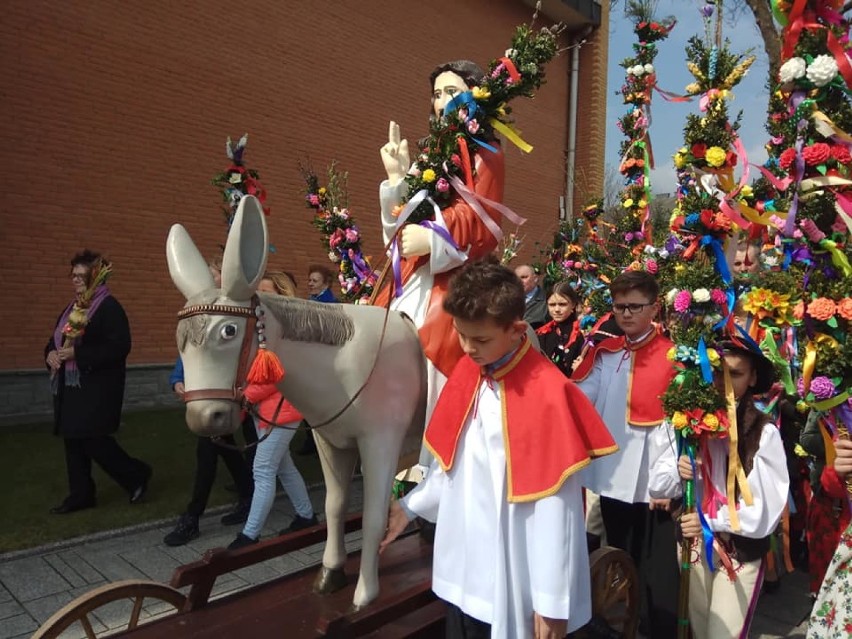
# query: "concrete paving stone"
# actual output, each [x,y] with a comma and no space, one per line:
[65,571]
[126,542]
[115,615]
[268,570]
[155,564]
[10,609]
[31,578]
[304,559]
[185,554]
[82,567]
[111,566]
[227,584]
[5,595]
[155,608]
[43,608]
[18,626]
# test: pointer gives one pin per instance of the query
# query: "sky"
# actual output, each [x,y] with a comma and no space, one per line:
[669,118]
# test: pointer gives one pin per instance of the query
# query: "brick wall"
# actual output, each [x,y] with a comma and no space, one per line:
[116,114]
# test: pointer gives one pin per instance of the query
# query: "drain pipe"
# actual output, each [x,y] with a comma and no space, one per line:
[572,121]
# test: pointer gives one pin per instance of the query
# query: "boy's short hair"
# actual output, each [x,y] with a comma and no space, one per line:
[486,289]
[635,281]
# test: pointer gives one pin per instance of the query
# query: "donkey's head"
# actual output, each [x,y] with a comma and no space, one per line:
[216,328]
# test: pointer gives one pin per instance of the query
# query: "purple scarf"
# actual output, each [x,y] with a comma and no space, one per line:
[72,373]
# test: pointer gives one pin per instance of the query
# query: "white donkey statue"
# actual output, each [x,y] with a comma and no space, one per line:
[356,373]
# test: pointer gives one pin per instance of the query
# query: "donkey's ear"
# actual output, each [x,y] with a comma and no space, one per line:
[188,269]
[246,251]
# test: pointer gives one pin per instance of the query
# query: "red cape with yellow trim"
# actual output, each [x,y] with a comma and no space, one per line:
[550,429]
[650,376]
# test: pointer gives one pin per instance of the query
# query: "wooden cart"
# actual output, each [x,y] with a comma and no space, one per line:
[287,607]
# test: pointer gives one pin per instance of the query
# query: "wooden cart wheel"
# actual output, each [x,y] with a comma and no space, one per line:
[84,605]
[615,590]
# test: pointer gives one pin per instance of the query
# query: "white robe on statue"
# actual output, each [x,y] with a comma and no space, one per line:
[414,300]
[498,561]
[624,474]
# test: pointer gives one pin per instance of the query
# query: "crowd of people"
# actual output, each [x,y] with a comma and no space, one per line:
[86,358]
[531,457]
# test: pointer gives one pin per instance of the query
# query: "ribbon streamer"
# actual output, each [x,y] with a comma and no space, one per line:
[736,474]
[511,134]
[473,200]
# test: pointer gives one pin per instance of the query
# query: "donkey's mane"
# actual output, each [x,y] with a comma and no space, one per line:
[306,321]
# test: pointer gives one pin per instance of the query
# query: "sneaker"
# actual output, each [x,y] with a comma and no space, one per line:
[185,531]
[238,515]
[299,523]
[241,542]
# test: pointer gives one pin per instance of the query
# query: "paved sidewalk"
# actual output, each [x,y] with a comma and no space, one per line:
[35,584]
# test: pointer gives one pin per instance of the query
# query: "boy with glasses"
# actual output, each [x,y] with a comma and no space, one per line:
[625,377]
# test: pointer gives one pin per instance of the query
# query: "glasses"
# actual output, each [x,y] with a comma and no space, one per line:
[78,276]
[621,309]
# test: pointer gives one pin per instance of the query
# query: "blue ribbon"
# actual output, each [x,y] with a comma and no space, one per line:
[704,362]
[706,533]
[721,262]
[467,100]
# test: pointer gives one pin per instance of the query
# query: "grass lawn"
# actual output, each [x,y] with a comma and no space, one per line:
[32,473]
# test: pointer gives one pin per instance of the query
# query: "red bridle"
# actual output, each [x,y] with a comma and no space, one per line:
[235,393]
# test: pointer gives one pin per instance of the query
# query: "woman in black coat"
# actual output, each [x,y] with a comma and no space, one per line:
[86,357]
[560,338]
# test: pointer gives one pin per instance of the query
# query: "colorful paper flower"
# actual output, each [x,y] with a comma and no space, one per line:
[816,154]
[682,301]
[822,387]
[844,308]
[822,309]
[716,156]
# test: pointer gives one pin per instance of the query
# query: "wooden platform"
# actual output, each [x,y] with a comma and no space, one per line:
[287,607]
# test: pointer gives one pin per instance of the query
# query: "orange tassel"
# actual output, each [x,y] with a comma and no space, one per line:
[266,368]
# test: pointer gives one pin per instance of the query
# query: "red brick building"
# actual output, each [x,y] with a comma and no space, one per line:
[116,114]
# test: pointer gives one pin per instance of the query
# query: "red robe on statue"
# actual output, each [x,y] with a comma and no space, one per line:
[439,338]
[551,430]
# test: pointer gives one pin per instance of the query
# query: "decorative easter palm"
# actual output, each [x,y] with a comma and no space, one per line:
[810,120]
[341,237]
[637,157]
[700,294]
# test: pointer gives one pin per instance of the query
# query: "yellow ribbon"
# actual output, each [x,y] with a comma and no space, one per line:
[809,360]
[511,134]
[830,452]
[736,474]
[755,217]
[827,128]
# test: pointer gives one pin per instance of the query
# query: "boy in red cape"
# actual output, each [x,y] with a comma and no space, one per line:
[509,433]
[625,377]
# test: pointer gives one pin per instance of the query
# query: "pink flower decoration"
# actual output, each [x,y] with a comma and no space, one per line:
[313,199]
[473,127]
[351,235]
[455,159]
[442,185]
[812,231]
[839,225]
[682,301]
[651,266]
[336,238]
[718,296]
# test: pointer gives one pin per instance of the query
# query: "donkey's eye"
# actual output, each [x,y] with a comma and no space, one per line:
[228,331]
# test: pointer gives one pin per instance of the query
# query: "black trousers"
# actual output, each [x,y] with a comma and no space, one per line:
[128,472]
[649,537]
[207,453]
[462,626]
